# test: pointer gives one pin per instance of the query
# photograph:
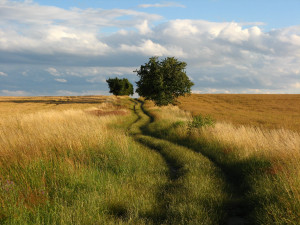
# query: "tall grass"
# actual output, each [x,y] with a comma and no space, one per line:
[264,161]
[31,136]
[82,165]
[195,191]
[272,111]
[72,167]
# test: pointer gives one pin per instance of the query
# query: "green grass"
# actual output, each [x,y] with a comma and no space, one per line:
[131,179]
[142,170]
[195,190]
[264,196]
[113,184]
[111,187]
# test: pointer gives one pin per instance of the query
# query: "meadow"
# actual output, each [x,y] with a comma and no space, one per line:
[261,163]
[63,164]
[272,111]
[117,160]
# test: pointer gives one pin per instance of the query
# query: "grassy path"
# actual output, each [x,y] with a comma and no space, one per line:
[81,169]
[235,207]
[195,191]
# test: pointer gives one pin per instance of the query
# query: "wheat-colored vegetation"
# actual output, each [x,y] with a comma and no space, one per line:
[99,160]
[195,191]
[265,160]
[70,166]
[10,106]
[268,111]
[275,143]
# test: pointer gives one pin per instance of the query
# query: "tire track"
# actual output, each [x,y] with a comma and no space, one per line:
[160,215]
[237,210]
[181,199]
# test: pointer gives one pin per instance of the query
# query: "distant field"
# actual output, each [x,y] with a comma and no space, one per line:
[268,111]
[10,106]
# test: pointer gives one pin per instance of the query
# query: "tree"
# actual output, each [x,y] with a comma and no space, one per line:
[120,86]
[163,81]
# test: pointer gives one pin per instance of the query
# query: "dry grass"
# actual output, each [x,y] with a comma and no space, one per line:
[31,136]
[268,111]
[281,147]
[10,106]
[169,113]
[65,130]
[32,126]
[248,139]
[51,147]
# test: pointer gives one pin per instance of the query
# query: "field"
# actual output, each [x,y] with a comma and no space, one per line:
[12,106]
[116,160]
[269,111]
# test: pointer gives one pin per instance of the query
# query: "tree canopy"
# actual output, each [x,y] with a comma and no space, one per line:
[120,86]
[163,81]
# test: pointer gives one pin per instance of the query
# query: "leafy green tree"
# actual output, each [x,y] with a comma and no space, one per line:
[120,86]
[163,81]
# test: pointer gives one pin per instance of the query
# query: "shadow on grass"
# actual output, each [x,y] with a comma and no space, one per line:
[119,210]
[166,194]
[237,173]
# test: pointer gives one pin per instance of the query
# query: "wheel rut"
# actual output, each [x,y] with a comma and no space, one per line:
[175,168]
[234,209]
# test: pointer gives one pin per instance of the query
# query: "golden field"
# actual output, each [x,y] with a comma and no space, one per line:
[60,163]
[95,159]
[246,140]
[11,106]
[260,110]
[30,126]
[241,149]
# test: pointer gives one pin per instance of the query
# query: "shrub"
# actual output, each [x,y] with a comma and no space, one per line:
[201,121]
[178,124]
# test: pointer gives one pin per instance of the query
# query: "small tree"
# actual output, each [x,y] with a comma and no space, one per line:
[120,86]
[163,81]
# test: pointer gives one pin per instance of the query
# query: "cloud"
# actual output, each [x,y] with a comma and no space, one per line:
[143,27]
[74,93]
[87,46]
[61,80]
[162,5]
[96,80]
[53,71]
[14,93]
[3,74]
[48,30]
[296,85]
[148,47]
[96,71]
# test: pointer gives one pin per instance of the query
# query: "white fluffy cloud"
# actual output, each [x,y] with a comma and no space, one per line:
[52,30]
[161,5]
[93,44]
[3,74]
[61,80]
[148,48]
[53,71]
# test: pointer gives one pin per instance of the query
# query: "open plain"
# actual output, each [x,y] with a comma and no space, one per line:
[262,110]
[117,160]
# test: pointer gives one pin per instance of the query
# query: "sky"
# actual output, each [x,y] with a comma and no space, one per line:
[71,47]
